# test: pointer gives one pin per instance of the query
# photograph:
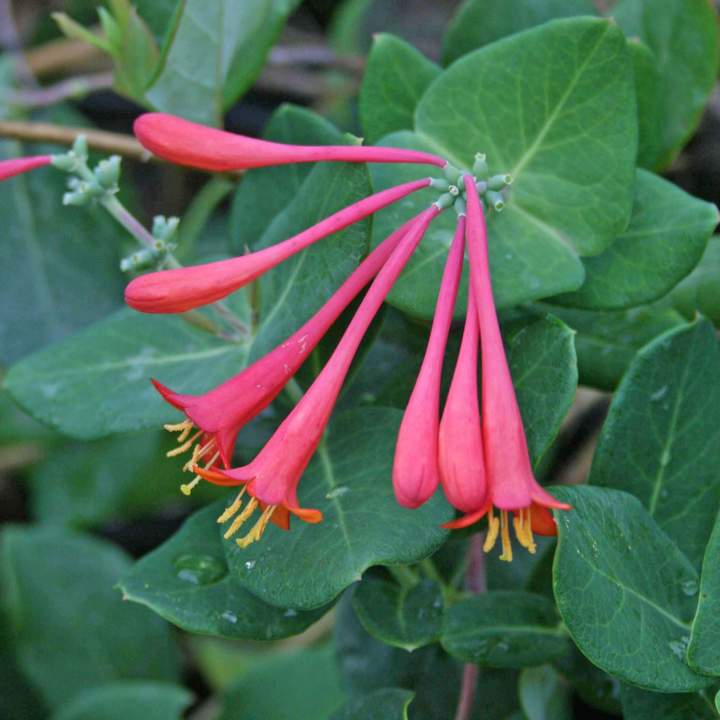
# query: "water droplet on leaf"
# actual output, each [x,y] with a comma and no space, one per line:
[200,569]
[231,617]
[689,587]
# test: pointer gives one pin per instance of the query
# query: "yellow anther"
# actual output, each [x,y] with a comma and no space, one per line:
[187,488]
[523,530]
[185,446]
[507,555]
[493,530]
[178,427]
[258,529]
[231,509]
[239,521]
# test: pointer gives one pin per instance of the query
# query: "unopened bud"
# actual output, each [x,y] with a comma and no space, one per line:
[140,260]
[480,166]
[460,207]
[439,184]
[451,173]
[498,182]
[495,199]
[481,186]
[454,190]
[445,201]
[107,173]
[164,228]
[65,162]
[80,147]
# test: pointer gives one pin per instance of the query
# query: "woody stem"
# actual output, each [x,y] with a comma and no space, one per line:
[475,582]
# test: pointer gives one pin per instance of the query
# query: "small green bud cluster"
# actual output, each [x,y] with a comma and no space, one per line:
[86,185]
[452,187]
[163,231]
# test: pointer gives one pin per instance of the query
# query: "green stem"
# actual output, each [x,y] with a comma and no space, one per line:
[405,577]
[293,390]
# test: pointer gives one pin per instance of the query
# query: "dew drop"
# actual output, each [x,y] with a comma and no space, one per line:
[290,613]
[679,647]
[337,492]
[200,569]
[231,617]
[689,587]
[249,564]
[659,394]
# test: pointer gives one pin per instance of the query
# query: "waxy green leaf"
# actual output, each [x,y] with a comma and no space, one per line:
[407,617]
[395,78]
[661,439]
[384,704]
[98,381]
[52,260]
[664,241]
[699,292]
[544,695]
[703,651]
[639,704]
[213,54]
[569,148]
[61,603]
[504,629]
[625,592]
[188,582]
[349,480]
[119,701]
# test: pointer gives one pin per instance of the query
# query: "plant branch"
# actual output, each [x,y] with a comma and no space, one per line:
[101,140]
[475,582]
[73,87]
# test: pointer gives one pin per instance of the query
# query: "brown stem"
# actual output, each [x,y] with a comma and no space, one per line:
[70,88]
[475,582]
[62,135]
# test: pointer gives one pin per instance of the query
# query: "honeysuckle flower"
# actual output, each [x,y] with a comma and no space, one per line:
[415,468]
[511,484]
[182,289]
[214,419]
[187,143]
[461,456]
[271,479]
[17,166]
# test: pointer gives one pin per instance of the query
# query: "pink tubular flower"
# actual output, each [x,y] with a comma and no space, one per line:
[271,479]
[187,143]
[16,166]
[461,457]
[511,484]
[182,289]
[220,413]
[415,468]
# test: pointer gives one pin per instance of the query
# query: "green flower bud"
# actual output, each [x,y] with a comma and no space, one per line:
[495,199]
[107,173]
[498,182]
[439,184]
[480,166]
[452,173]
[445,201]
[80,147]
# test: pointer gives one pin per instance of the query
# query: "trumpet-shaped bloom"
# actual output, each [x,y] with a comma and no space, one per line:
[187,143]
[461,456]
[220,413]
[415,468]
[271,479]
[182,289]
[16,166]
[511,484]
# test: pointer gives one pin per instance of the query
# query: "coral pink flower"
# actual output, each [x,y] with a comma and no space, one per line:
[415,468]
[16,166]
[187,143]
[182,289]
[271,479]
[461,457]
[511,484]
[220,413]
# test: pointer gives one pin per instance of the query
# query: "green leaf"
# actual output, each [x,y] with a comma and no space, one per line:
[544,695]
[543,364]
[384,704]
[349,480]
[621,587]
[84,484]
[606,342]
[570,149]
[699,292]
[664,241]
[703,652]
[187,581]
[648,92]
[61,603]
[479,22]
[396,75]
[264,192]
[407,617]
[98,381]
[52,260]
[213,55]
[504,629]
[302,684]
[661,439]
[119,701]
[639,704]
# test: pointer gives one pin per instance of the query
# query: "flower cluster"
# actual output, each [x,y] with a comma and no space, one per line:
[476,449]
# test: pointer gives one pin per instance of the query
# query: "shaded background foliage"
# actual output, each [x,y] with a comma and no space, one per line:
[621,618]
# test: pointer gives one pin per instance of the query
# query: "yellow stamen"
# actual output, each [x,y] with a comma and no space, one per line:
[231,509]
[505,537]
[187,488]
[493,530]
[523,530]
[185,446]
[239,521]
[259,528]
[179,427]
